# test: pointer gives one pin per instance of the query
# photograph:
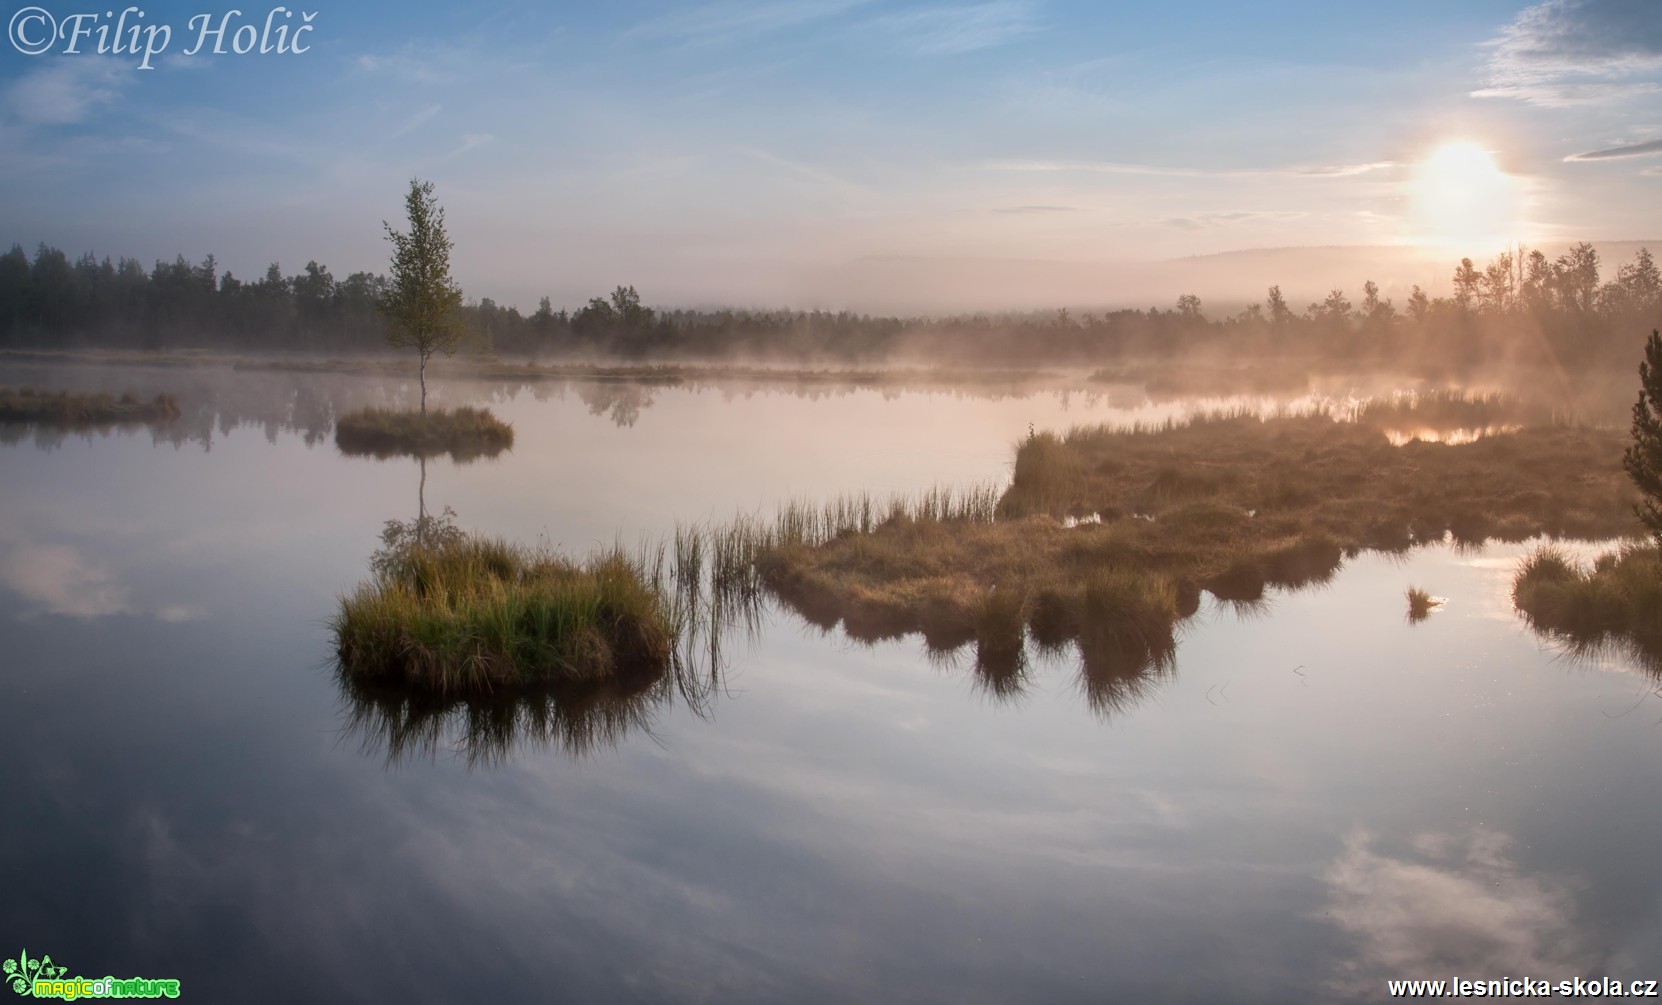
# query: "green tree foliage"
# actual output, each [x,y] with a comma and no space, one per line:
[1643,459]
[422,302]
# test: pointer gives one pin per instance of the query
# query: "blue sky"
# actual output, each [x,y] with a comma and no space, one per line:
[764,152]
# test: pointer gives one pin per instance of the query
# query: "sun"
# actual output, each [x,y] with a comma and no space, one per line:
[1462,201]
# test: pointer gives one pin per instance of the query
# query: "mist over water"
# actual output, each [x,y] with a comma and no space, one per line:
[1313,793]
[822,501]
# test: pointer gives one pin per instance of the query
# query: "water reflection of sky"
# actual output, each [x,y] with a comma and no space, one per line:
[849,822]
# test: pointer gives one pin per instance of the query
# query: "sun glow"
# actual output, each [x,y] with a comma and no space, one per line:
[1462,201]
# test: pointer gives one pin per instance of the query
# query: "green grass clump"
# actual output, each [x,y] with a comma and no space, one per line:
[464,433]
[1615,604]
[75,410]
[468,614]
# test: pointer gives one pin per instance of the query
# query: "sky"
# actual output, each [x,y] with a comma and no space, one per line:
[827,153]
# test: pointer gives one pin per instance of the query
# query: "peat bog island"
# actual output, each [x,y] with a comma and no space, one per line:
[900,502]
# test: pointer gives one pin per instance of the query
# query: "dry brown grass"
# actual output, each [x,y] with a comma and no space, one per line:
[81,410]
[1230,504]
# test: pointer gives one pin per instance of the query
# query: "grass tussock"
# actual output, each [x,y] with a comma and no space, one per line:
[29,405]
[1420,605]
[464,614]
[1615,604]
[465,433]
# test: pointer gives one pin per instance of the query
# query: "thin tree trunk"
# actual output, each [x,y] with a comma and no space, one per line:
[424,385]
[421,506]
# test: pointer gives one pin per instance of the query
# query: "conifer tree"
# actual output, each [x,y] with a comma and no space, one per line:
[1643,459]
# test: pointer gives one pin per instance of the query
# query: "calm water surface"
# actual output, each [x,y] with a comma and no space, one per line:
[1320,797]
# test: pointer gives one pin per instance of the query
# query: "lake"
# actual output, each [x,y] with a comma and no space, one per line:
[1318,798]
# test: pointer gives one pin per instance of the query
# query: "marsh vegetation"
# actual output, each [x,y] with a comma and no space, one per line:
[448,615]
[61,408]
[1104,540]
[464,433]
[1107,535]
[1615,604]
[448,612]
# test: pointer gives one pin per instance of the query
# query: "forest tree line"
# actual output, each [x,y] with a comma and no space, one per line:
[1521,307]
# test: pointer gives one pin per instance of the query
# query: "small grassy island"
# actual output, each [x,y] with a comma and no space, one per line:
[76,410]
[1616,604]
[447,612]
[465,433]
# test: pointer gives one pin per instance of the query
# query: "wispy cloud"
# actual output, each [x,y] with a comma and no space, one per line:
[51,118]
[402,65]
[1203,221]
[1631,150]
[738,20]
[1569,95]
[1453,902]
[1116,167]
[65,91]
[416,121]
[470,141]
[1084,167]
[950,30]
[24,152]
[444,61]
[1036,209]
[240,137]
[1566,52]
[1562,36]
[818,176]
[1340,170]
[58,579]
[179,61]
